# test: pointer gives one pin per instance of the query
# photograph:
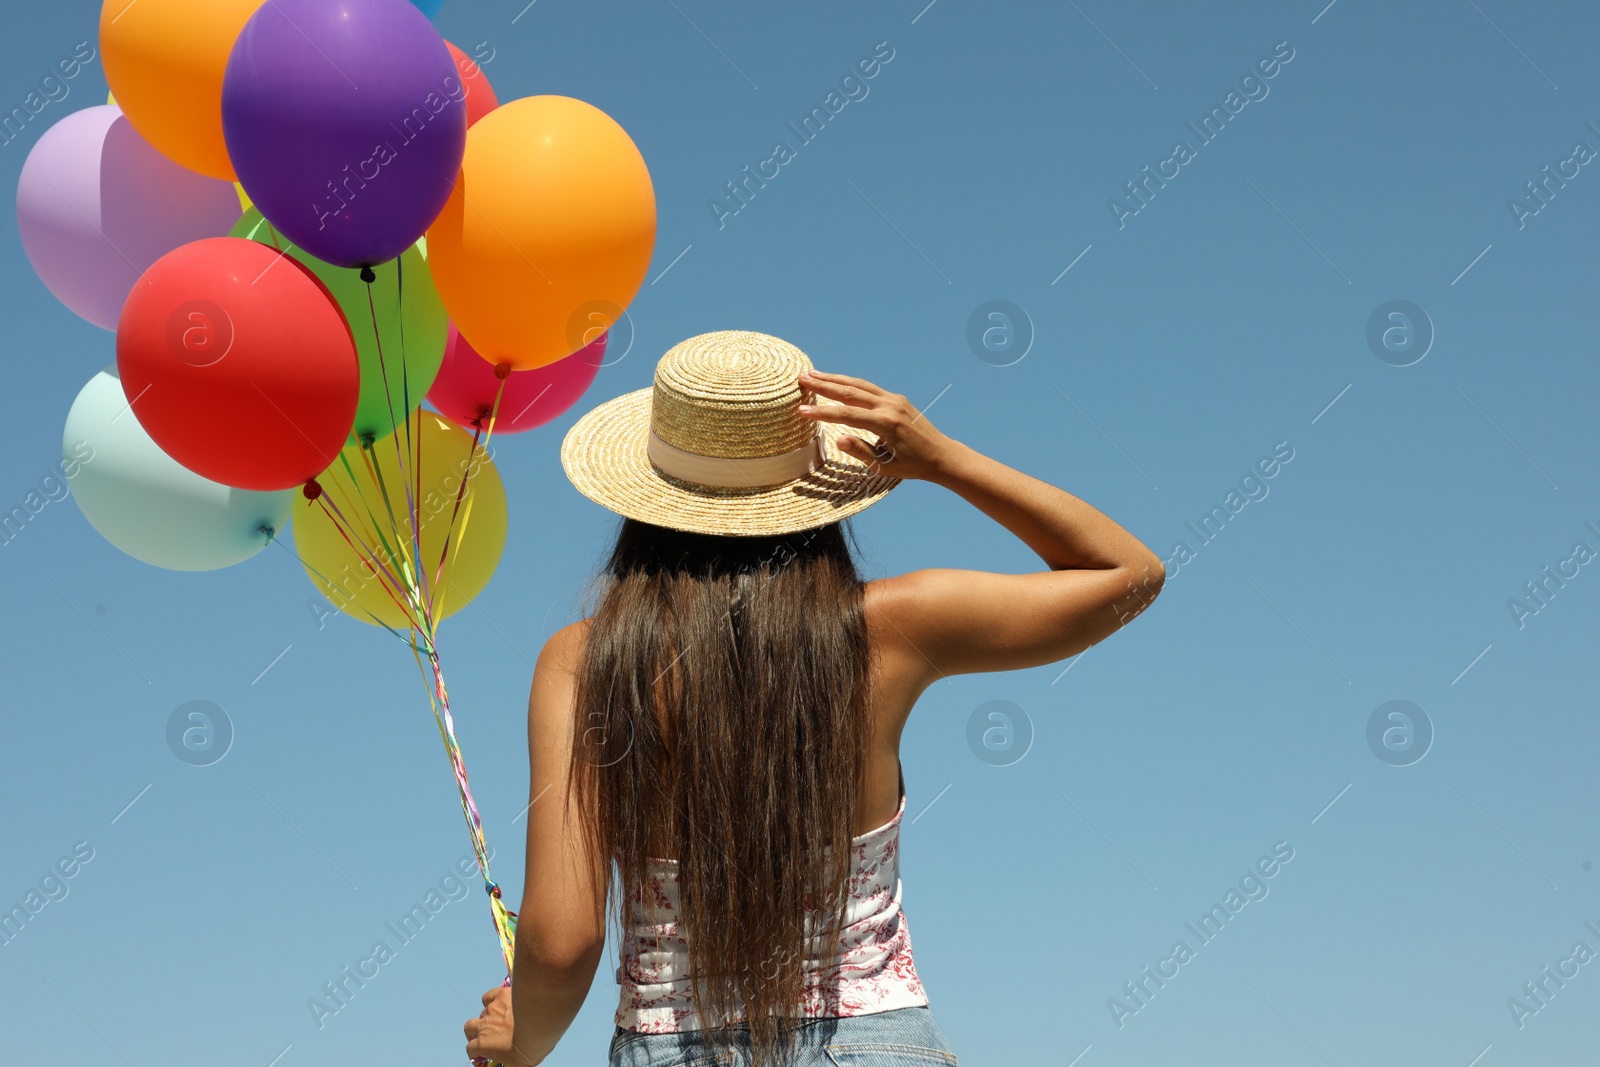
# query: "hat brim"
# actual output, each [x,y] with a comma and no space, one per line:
[604,457]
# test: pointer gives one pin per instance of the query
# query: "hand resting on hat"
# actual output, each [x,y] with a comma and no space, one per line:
[907,445]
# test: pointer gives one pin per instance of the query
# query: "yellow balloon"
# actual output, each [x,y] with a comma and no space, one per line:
[244,197]
[344,575]
[164,60]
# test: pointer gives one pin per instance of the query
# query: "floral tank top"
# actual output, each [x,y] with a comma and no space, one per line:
[876,972]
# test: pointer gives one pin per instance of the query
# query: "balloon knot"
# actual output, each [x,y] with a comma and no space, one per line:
[502,370]
[311,490]
[366,437]
[367,275]
[268,529]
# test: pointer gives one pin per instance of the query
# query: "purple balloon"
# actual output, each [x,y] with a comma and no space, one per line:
[346,122]
[465,387]
[97,205]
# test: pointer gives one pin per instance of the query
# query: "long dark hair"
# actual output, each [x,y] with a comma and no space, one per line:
[723,713]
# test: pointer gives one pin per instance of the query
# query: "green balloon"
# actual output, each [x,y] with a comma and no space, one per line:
[405,321]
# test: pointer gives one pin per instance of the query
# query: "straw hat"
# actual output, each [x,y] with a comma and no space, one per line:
[718,446]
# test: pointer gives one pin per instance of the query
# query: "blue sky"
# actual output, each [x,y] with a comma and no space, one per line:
[1172,350]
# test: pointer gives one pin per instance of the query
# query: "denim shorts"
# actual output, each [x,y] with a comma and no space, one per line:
[904,1037]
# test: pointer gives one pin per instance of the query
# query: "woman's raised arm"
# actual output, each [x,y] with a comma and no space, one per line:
[1099,575]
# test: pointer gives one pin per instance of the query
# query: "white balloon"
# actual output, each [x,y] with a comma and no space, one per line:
[148,504]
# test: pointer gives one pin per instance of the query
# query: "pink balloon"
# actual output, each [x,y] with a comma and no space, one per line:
[96,206]
[465,388]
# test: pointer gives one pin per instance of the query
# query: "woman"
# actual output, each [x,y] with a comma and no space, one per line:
[725,726]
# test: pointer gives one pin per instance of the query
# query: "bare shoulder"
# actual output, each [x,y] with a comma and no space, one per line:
[902,603]
[892,607]
[563,649]
[555,674]
[552,696]
[903,594]
[885,601]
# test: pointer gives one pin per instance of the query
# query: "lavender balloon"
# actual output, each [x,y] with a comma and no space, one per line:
[346,123]
[97,205]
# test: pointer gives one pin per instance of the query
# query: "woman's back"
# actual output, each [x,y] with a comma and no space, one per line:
[896,683]
[870,968]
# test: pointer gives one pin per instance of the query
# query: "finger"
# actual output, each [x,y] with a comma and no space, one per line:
[489,996]
[862,418]
[845,391]
[846,379]
[471,1028]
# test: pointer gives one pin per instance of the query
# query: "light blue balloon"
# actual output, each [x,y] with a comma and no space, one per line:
[429,8]
[148,504]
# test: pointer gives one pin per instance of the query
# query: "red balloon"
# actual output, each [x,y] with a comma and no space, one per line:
[465,388]
[480,94]
[238,363]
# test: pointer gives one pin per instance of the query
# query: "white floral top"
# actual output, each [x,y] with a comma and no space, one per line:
[876,972]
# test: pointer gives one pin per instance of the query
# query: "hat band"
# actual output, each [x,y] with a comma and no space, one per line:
[741,473]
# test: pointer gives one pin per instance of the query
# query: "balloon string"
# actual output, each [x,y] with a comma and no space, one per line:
[414,498]
[367,554]
[398,577]
[392,584]
[388,395]
[400,319]
[461,492]
[409,568]
[374,531]
[386,588]
[416,473]
[371,528]
[488,435]
[388,391]
[466,516]
[504,919]
[331,509]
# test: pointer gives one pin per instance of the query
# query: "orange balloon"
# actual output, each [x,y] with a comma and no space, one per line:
[548,233]
[164,60]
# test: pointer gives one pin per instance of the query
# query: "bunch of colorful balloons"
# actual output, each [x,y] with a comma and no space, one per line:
[301,218]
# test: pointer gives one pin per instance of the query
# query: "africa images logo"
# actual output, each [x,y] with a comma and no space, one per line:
[1252,886]
[853,87]
[1253,87]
